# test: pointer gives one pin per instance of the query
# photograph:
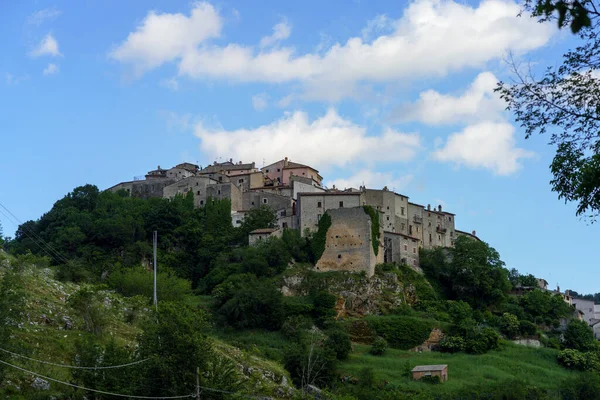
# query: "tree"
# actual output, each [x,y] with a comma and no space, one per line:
[262,217]
[579,336]
[565,102]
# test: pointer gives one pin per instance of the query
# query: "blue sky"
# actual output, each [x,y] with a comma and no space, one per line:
[373,92]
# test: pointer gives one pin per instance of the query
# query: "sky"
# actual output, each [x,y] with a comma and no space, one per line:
[376,93]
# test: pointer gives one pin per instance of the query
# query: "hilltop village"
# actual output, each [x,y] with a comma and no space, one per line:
[296,194]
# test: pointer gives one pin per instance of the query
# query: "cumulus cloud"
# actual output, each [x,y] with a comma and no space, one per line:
[165,37]
[488,145]
[379,24]
[478,102]
[39,17]
[281,31]
[372,179]
[329,140]
[51,69]
[47,47]
[432,38]
[260,102]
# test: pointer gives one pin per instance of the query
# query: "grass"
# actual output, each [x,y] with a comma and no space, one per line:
[537,367]
[261,343]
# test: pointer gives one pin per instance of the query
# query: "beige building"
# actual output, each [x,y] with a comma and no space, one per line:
[312,206]
[260,235]
[196,184]
[280,172]
[440,371]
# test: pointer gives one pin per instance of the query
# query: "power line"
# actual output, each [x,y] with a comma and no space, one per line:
[96,390]
[73,366]
[34,236]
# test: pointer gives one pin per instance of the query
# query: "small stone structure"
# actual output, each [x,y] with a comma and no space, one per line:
[430,370]
[259,235]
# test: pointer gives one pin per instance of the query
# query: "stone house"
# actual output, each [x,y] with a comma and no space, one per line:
[312,206]
[282,170]
[420,371]
[229,168]
[143,189]
[260,235]
[401,248]
[196,184]
[228,191]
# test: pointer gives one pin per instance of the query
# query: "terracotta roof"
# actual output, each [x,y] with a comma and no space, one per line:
[424,368]
[264,230]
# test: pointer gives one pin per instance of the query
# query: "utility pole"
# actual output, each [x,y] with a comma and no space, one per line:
[155,242]
[198,383]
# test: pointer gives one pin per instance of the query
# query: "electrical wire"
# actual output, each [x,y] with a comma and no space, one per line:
[96,390]
[73,366]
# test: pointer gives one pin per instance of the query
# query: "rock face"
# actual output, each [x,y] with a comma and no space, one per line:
[528,342]
[432,342]
[357,295]
[40,384]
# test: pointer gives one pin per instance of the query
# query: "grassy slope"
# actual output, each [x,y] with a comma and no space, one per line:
[537,367]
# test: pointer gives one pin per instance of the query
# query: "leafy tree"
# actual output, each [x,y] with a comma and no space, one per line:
[510,325]
[262,217]
[88,303]
[585,386]
[578,336]
[564,102]
[339,340]
[176,344]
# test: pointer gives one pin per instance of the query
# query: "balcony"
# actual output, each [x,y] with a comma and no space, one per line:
[440,229]
[417,219]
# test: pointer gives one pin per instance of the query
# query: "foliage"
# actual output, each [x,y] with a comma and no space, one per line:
[518,280]
[137,281]
[88,303]
[12,304]
[452,344]
[579,336]
[401,332]
[254,306]
[176,344]
[311,362]
[575,359]
[221,374]
[258,218]
[527,328]
[431,379]
[540,306]
[379,346]
[510,325]
[323,307]
[375,227]
[320,237]
[564,101]
[470,271]
[338,340]
[583,387]
[482,341]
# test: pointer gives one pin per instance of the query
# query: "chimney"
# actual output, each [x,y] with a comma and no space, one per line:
[231,160]
[474,233]
[428,207]
[440,208]
[333,187]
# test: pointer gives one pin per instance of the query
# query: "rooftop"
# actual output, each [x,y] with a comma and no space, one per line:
[264,230]
[424,368]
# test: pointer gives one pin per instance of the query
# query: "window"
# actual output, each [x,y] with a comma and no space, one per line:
[198,193]
[450,219]
[196,183]
[402,210]
[339,256]
[388,218]
[430,238]
[410,229]
[265,201]
[201,202]
[218,191]
[278,170]
[402,227]
[451,233]
[414,249]
[284,225]
[241,181]
[388,207]
[318,204]
[430,224]
[341,204]
[267,171]
[238,221]
[439,237]
[405,247]
[318,217]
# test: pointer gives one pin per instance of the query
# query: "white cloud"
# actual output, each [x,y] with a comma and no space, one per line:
[329,140]
[48,46]
[379,24]
[285,102]
[51,69]
[260,102]
[281,31]
[14,80]
[171,84]
[165,37]
[39,17]
[176,121]
[479,102]
[432,38]
[373,180]
[488,145]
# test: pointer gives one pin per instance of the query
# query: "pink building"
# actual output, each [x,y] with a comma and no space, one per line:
[281,171]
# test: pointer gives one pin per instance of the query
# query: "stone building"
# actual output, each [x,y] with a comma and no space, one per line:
[229,191]
[143,189]
[401,248]
[260,235]
[312,206]
[282,170]
[229,168]
[348,245]
[440,371]
[195,184]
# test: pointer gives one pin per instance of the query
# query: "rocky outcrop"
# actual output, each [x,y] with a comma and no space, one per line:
[432,342]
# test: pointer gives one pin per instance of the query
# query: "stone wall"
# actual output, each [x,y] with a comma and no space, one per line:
[311,206]
[226,191]
[348,244]
[196,184]
[144,189]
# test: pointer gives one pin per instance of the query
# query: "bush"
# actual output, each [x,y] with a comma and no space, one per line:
[452,344]
[579,336]
[431,379]
[138,281]
[87,302]
[584,387]
[527,328]
[577,360]
[297,305]
[510,325]
[483,341]
[294,325]
[401,332]
[379,346]
[339,342]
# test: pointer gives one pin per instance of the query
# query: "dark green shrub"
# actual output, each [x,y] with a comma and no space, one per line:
[379,346]
[431,379]
[401,332]
[510,325]
[484,340]
[375,232]
[452,344]
[579,336]
[138,281]
[339,341]
[295,325]
[320,237]
[527,328]
[297,305]
[585,386]
[577,360]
